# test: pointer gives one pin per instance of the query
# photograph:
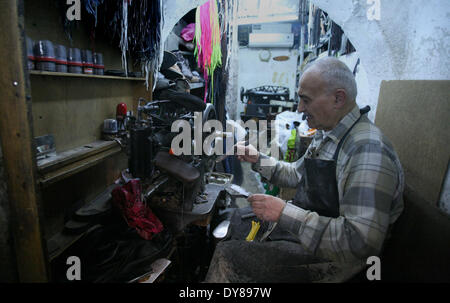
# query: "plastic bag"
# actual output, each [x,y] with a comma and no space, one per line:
[188,32]
[284,123]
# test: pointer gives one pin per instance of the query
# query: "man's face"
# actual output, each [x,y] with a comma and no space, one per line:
[316,102]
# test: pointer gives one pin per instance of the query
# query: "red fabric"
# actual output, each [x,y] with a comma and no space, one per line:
[188,32]
[137,215]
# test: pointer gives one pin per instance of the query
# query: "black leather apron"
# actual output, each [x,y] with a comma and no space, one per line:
[318,189]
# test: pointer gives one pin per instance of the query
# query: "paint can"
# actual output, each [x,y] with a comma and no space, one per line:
[74,63]
[30,54]
[61,58]
[88,62]
[99,68]
[44,54]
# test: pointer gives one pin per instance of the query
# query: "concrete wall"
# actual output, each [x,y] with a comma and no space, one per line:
[364,96]
[409,41]
[174,10]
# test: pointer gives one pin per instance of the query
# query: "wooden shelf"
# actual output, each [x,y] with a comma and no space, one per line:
[70,162]
[61,241]
[57,74]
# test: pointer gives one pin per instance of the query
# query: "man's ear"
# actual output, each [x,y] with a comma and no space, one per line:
[341,98]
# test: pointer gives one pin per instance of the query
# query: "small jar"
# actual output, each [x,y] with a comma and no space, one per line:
[110,126]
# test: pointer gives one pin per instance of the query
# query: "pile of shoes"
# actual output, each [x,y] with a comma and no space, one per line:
[169,67]
[173,82]
[112,249]
[113,253]
[183,65]
[175,67]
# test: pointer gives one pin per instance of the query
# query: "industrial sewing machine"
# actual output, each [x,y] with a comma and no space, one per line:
[175,187]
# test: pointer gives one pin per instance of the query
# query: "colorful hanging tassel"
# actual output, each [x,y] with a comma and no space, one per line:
[207,41]
[91,7]
[124,35]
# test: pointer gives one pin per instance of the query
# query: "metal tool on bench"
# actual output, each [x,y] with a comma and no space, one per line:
[237,191]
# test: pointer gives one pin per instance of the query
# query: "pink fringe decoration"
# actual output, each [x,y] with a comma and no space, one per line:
[207,41]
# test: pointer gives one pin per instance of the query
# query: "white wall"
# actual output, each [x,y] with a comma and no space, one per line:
[253,72]
[364,90]
[410,41]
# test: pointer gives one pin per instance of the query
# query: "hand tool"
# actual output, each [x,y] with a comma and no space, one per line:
[237,191]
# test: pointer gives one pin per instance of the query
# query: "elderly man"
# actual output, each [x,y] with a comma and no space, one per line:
[349,193]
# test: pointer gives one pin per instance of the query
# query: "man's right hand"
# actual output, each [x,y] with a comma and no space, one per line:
[246,153]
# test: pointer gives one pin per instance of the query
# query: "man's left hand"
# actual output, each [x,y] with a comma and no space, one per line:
[266,207]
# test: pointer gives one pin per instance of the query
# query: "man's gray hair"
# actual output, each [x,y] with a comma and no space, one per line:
[336,75]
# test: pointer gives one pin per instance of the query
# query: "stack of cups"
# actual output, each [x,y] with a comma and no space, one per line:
[88,62]
[30,54]
[98,64]
[74,61]
[44,54]
[61,58]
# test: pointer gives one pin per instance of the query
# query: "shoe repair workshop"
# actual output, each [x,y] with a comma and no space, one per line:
[224,141]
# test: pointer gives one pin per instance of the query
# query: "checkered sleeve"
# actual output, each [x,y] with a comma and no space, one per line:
[369,182]
[280,173]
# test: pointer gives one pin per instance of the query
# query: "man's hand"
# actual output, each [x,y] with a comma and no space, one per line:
[266,207]
[246,153]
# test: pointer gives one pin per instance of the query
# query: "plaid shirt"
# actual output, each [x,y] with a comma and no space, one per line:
[370,185]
